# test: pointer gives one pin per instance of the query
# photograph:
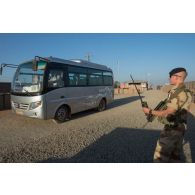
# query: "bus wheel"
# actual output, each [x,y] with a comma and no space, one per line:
[61,114]
[102,105]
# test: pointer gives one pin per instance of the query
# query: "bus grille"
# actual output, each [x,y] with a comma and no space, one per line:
[21,106]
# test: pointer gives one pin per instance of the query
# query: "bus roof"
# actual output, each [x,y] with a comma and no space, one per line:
[79,62]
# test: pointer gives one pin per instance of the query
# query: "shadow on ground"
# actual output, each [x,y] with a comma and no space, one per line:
[125,145]
[114,104]
[190,135]
[120,146]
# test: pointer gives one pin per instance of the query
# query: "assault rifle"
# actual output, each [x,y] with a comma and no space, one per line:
[160,106]
[150,117]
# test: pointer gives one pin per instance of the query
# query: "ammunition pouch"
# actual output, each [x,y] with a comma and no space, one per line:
[165,121]
[182,116]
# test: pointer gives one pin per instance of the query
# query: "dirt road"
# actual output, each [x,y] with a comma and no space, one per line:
[115,135]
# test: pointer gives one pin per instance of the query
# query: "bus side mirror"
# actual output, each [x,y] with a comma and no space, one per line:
[1,70]
[35,65]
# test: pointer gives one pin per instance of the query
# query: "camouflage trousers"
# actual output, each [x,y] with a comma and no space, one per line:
[169,145]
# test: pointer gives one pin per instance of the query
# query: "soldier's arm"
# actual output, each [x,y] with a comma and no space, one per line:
[163,113]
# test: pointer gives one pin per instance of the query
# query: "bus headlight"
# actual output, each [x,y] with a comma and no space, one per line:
[34,105]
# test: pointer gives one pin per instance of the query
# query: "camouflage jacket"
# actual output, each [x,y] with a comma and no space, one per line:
[179,98]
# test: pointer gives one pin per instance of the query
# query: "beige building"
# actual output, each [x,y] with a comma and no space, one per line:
[128,87]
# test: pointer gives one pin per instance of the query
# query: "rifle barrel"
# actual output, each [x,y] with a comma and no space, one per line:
[137,89]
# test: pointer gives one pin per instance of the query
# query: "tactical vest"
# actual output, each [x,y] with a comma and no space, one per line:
[180,116]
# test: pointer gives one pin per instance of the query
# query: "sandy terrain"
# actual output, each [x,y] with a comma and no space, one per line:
[114,135]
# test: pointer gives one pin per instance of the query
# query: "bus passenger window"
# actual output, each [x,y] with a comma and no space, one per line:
[56,79]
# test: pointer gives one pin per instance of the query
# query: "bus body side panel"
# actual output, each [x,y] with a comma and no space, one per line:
[96,93]
[106,92]
[70,96]
[84,98]
[77,98]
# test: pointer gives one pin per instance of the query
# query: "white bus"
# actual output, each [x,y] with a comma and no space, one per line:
[53,88]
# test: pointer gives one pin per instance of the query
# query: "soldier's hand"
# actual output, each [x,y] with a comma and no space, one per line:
[146,110]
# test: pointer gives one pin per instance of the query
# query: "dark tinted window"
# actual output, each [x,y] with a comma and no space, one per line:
[93,71]
[76,79]
[95,80]
[77,69]
[55,78]
[107,73]
[78,76]
[108,80]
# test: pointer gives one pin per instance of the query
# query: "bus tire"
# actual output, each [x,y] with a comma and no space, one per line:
[62,114]
[102,105]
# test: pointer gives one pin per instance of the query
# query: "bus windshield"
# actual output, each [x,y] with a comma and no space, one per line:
[27,80]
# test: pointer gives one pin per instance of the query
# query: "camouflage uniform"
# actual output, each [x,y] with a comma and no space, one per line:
[169,145]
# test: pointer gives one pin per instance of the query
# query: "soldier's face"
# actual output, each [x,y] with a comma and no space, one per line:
[177,78]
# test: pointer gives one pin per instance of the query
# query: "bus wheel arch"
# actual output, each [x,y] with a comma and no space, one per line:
[102,105]
[63,113]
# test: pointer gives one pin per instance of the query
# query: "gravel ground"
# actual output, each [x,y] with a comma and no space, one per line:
[114,135]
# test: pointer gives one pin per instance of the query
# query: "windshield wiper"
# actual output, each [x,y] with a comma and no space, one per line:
[27,92]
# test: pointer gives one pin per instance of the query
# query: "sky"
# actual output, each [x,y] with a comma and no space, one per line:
[146,56]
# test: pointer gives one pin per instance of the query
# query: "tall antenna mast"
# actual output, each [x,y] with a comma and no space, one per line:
[88,56]
[118,69]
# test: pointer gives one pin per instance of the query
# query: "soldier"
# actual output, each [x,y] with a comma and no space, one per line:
[174,118]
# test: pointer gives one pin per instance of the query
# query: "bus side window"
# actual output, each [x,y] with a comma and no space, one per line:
[73,79]
[56,79]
